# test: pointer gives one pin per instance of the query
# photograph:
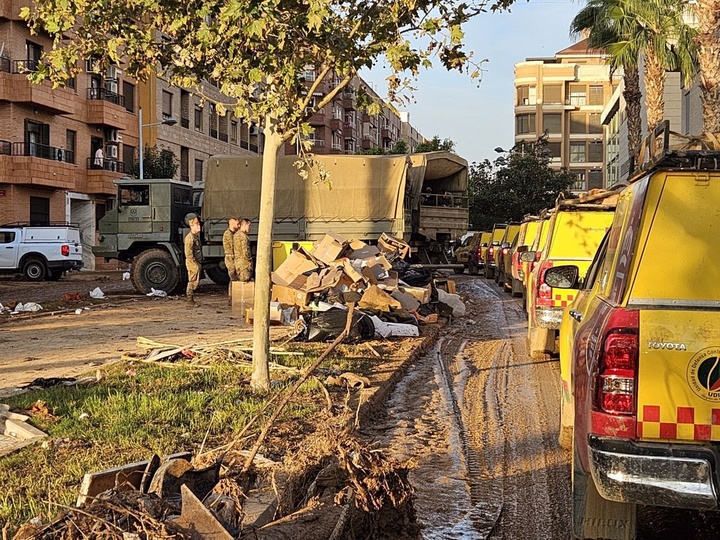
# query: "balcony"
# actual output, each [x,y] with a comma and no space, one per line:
[98,179]
[106,108]
[385,134]
[16,88]
[349,130]
[37,164]
[318,119]
[336,124]
[367,144]
[348,100]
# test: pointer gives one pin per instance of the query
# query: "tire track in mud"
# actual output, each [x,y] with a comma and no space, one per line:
[478,418]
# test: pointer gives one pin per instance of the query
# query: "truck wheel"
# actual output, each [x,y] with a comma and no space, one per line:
[34,270]
[472,269]
[155,269]
[460,270]
[55,275]
[516,288]
[218,275]
[594,516]
[489,273]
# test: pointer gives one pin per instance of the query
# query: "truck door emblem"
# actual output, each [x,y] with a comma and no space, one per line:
[668,346]
[703,374]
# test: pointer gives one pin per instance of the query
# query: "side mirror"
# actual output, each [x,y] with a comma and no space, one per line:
[563,277]
[528,256]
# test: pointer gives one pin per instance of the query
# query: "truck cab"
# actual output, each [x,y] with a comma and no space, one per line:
[146,229]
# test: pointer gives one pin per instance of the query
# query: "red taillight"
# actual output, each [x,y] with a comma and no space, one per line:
[615,386]
[505,251]
[544,296]
[491,251]
[65,250]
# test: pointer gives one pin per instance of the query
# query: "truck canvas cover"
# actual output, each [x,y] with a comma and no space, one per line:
[358,188]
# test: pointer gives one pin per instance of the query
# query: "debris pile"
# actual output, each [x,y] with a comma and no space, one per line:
[313,288]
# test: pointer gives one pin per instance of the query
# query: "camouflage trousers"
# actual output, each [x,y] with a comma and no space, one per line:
[193,271]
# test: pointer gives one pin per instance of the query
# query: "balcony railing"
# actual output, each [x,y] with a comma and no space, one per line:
[5,148]
[43,151]
[112,165]
[223,137]
[5,65]
[185,122]
[106,95]
[25,66]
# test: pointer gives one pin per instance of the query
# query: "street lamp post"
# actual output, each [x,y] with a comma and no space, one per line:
[167,121]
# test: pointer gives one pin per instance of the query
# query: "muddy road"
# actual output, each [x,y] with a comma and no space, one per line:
[478,417]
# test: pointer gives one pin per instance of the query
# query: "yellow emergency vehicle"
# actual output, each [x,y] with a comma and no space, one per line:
[640,349]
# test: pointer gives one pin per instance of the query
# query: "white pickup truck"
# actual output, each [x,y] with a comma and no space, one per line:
[39,252]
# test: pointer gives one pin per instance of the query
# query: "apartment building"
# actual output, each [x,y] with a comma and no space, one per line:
[564,96]
[340,127]
[61,149]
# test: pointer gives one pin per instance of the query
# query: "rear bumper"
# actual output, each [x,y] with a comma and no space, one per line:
[678,476]
[65,265]
[547,317]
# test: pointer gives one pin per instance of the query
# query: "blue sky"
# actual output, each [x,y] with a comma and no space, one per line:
[480,117]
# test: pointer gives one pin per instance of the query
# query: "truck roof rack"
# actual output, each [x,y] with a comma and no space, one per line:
[654,153]
[16,224]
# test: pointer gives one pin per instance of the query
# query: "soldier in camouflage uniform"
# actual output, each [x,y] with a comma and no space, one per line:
[243,257]
[193,259]
[229,248]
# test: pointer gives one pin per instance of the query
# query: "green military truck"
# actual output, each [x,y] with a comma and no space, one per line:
[364,197]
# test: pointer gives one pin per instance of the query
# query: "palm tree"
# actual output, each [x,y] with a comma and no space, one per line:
[709,61]
[600,20]
[628,28]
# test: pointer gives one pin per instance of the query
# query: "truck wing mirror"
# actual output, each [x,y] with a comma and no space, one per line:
[563,277]
[527,256]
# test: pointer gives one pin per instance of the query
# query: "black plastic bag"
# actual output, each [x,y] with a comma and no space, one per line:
[328,325]
[415,277]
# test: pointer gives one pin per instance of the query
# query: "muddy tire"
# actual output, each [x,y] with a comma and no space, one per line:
[565,436]
[473,269]
[34,269]
[516,288]
[460,270]
[218,275]
[596,517]
[489,273]
[541,341]
[155,269]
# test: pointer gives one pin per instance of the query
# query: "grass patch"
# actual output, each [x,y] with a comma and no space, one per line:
[127,417]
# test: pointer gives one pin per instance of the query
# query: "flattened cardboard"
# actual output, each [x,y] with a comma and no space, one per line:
[329,248]
[408,301]
[351,272]
[421,293]
[290,272]
[365,252]
[375,298]
[275,314]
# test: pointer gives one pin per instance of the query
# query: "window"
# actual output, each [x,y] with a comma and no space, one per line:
[135,195]
[552,123]
[579,184]
[34,52]
[595,179]
[198,119]
[184,164]
[577,122]
[167,104]
[233,131]
[524,123]
[7,237]
[596,95]
[595,151]
[686,112]
[552,94]
[100,211]
[37,139]
[526,95]
[577,152]
[128,156]
[70,144]
[185,108]
[213,122]
[129,94]
[555,149]
[39,211]
[594,124]
[198,170]
[182,195]
[578,95]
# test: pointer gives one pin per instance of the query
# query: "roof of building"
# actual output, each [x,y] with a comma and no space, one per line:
[580,48]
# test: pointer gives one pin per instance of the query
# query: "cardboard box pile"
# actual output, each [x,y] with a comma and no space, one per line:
[335,268]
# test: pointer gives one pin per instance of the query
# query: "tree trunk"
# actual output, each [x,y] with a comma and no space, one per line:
[632,96]
[654,88]
[708,40]
[260,380]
